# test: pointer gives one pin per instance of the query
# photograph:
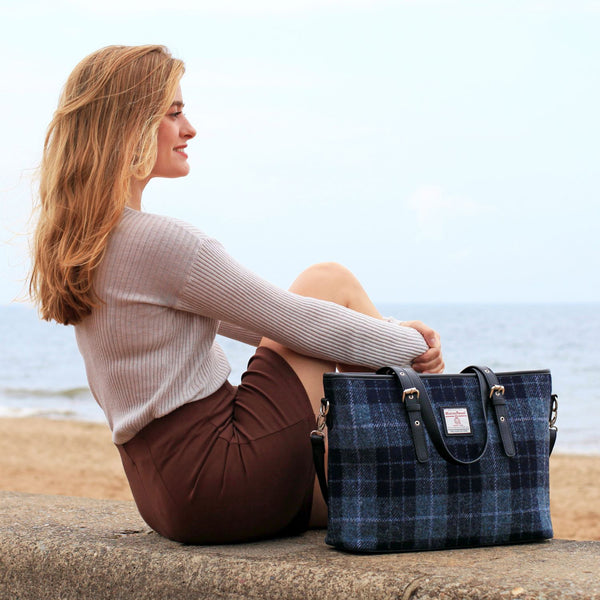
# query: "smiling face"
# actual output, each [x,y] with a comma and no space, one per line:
[174,132]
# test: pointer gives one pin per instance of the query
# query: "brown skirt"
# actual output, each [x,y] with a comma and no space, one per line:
[232,467]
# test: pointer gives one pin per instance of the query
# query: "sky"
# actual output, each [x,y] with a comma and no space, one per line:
[443,150]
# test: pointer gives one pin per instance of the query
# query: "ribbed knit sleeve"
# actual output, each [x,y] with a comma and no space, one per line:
[241,334]
[220,288]
[167,289]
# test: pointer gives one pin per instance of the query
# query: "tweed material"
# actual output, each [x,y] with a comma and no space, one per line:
[382,500]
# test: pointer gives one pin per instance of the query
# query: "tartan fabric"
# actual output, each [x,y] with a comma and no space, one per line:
[382,500]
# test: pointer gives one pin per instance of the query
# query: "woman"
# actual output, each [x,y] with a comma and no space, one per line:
[207,462]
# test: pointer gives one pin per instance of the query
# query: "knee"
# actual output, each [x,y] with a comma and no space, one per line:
[329,270]
[330,273]
[328,281]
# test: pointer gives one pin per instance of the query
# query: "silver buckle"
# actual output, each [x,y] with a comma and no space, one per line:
[410,392]
[497,389]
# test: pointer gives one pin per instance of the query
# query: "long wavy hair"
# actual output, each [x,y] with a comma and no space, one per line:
[102,137]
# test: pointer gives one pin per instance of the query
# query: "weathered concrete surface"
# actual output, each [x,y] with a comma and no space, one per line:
[54,547]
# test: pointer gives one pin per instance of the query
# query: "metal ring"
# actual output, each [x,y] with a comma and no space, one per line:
[553,410]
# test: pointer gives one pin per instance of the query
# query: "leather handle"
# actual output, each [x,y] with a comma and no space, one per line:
[488,382]
[409,380]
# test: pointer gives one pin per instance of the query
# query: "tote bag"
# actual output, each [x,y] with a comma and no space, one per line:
[423,462]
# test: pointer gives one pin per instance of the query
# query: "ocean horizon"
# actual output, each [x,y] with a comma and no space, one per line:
[42,374]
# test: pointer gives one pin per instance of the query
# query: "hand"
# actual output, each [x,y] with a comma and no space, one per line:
[430,361]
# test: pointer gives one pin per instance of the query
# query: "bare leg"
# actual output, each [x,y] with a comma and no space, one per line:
[333,282]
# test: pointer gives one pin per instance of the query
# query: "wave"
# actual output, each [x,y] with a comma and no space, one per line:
[14,412]
[71,393]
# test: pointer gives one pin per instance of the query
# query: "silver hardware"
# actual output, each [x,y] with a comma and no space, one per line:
[502,419]
[410,392]
[417,423]
[497,390]
[553,411]
[321,420]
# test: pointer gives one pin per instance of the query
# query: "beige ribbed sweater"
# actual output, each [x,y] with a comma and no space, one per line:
[167,289]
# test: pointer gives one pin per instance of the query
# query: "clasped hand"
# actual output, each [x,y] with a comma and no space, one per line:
[431,361]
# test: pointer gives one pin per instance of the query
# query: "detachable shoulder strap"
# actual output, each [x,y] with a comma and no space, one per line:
[318,447]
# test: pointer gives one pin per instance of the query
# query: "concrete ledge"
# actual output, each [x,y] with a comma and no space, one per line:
[55,547]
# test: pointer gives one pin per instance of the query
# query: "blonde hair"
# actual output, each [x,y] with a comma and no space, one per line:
[103,134]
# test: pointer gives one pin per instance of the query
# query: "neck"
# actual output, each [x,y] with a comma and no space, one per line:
[135,193]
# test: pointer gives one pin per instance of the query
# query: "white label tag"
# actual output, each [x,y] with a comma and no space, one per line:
[457,421]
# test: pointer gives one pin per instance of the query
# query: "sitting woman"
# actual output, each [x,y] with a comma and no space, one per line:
[207,462]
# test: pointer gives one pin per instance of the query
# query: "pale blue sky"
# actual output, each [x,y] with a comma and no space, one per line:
[443,150]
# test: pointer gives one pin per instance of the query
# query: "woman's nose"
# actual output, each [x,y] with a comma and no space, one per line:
[188,130]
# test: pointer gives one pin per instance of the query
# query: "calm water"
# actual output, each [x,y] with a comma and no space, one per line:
[42,374]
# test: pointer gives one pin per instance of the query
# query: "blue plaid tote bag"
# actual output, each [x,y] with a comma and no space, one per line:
[423,462]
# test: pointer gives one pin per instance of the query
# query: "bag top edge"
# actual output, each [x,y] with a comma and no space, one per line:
[435,375]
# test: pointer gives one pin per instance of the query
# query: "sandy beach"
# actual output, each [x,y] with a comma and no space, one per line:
[79,459]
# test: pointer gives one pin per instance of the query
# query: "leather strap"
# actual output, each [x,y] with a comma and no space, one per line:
[317,441]
[413,407]
[490,387]
[553,432]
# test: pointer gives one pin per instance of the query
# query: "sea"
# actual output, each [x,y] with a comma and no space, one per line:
[43,375]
